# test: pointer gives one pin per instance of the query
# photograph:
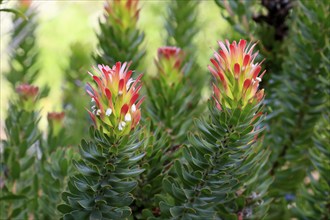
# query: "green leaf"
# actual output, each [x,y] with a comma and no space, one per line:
[22,149]
[15,170]
[120,200]
[124,173]
[64,166]
[95,215]
[64,208]
[84,169]
[122,186]
[13,197]
[86,203]
[16,212]
[15,12]
[177,211]
[167,186]
[27,164]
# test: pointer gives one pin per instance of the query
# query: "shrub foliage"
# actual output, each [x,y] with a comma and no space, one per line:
[151,147]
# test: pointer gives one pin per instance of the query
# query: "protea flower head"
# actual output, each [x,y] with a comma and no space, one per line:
[115,99]
[169,63]
[55,119]
[236,75]
[124,13]
[28,95]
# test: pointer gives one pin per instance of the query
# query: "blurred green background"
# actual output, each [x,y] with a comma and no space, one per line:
[62,23]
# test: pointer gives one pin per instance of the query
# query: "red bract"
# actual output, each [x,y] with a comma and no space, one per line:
[236,74]
[115,99]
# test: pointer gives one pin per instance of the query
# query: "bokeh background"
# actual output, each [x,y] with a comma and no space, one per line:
[62,23]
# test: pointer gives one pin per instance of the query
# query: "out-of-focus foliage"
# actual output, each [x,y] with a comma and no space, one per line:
[18,179]
[12,10]
[74,103]
[181,24]
[23,51]
[182,27]
[20,148]
[26,172]
[119,38]
[31,164]
[263,21]
[301,101]
[313,197]
[54,173]
[172,104]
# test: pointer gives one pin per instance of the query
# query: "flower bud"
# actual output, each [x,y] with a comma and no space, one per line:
[169,64]
[55,119]
[237,76]
[123,14]
[28,95]
[115,104]
[25,3]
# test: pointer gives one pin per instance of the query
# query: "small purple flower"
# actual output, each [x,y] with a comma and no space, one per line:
[289,197]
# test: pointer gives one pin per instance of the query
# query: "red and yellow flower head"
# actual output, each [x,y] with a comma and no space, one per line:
[169,64]
[236,75]
[115,99]
[124,13]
